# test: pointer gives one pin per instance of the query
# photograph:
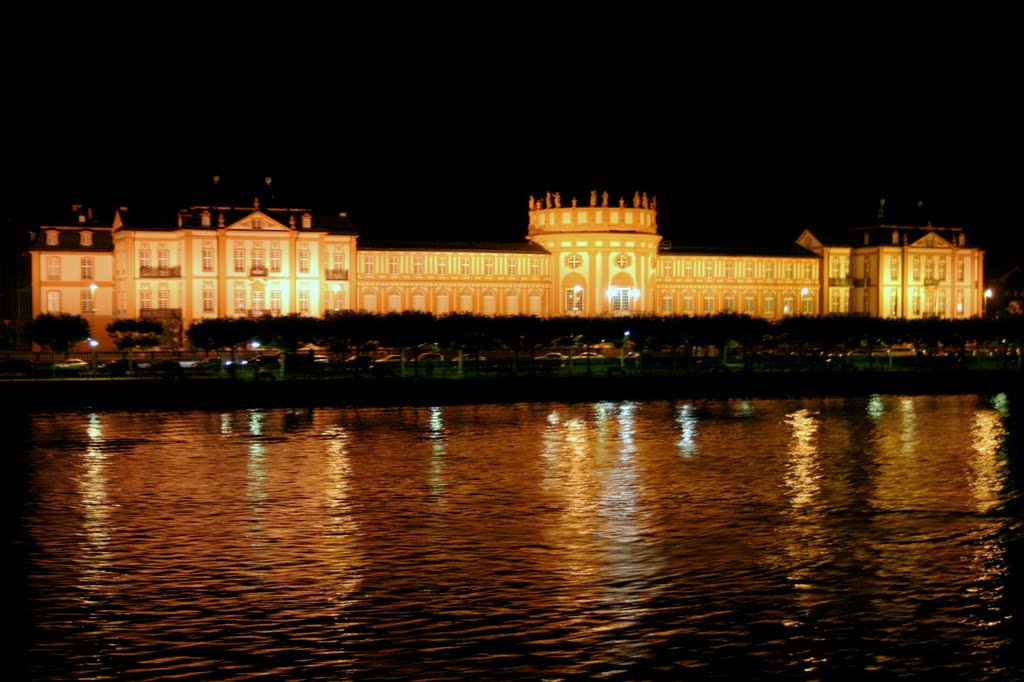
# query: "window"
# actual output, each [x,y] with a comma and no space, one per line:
[940,303]
[368,265]
[536,303]
[788,271]
[257,302]
[257,258]
[307,221]
[53,267]
[748,270]
[929,268]
[622,261]
[466,301]
[534,267]
[52,238]
[666,303]
[688,307]
[162,299]
[942,270]
[960,269]
[619,299]
[257,223]
[666,268]
[417,265]
[769,305]
[85,239]
[729,302]
[204,218]
[894,269]
[87,303]
[144,258]
[709,269]
[419,300]
[769,270]
[787,304]
[511,302]
[808,270]
[370,300]
[442,265]
[275,302]
[749,303]
[894,304]
[275,259]
[443,304]
[207,301]
[489,301]
[709,304]
[394,300]
[915,303]
[239,259]
[207,259]
[574,300]
[86,268]
[489,267]
[53,301]
[688,268]
[239,300]
[465,266]
[145,299]
[512,266]
[304,259]
[392,265]
[915,268]
[807,305]
[162,258]
[304,302]
[729,269]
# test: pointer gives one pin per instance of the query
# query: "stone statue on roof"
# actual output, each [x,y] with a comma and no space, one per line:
[532,202]
[558,200]
[643,200]
[636,199]
[593,197]
[604,198]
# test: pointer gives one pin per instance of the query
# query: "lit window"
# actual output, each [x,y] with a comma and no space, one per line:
[304,302]
[512,265]
[465,266]
[207,259]
[162,299]
[145,299]
[622,261]
[144,258]
[239,300]
[257,302]
[574,300]
[275,259]
[52,238]
[304,259]
[275,302]
[53,301]
[239,259]
[489,267]
[85,239]
[87,302]
[393,265]
[53,267]
[574,261]
[87,269]
[207,301]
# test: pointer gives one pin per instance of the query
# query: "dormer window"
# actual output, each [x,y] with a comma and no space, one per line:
[81,218]
[52,238]
[85,239]
[307,221]
[204,219]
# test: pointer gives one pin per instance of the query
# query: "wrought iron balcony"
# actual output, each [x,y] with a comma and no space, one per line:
[840,281]
[159,271]
[932,281]
[258,271]
[336,274]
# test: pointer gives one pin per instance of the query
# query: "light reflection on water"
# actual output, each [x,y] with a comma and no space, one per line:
[800,538]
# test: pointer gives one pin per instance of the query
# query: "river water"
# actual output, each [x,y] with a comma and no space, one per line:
[810,539]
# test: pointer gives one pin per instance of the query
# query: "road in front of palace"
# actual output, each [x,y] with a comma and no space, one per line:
[804,539]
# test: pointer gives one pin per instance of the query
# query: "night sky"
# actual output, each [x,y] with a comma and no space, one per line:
[438,121]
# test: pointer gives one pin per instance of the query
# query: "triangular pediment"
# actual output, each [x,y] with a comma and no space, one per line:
[932,240]
[258,221]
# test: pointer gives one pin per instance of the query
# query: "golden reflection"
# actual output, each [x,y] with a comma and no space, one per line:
[686,420]
[96,507]
[802,470]
[986,470]
[439,450]
[343,559]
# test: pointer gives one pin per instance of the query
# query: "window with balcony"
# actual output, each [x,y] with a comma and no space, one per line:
[144,258]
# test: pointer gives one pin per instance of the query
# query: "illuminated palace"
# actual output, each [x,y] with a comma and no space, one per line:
[595,259]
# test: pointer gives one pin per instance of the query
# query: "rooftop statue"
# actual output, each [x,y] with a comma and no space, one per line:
[558,200]
[643,200]
[532,202]
[636,199]
[593,197]
[604,198]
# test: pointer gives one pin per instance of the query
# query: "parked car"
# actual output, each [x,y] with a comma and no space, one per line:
[390,359]
[71,366]
[430,357]
[552,357]
[589,354]
[117,368]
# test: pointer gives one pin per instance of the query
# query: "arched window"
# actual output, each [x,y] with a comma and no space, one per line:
[729,302]
[370,300]
[489,302]
[465,301]
[787,304]
[443,302]
[536,303]
[749,303]
[394,300]
[666,302]
[709,303]
[688,303]
[769,305]
[511,302]
[419,300]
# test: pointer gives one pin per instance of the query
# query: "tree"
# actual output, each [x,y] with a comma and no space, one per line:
[58,332]
[142,333]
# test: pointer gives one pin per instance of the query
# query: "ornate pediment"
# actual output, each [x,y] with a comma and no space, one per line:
[932,240]
[258,221]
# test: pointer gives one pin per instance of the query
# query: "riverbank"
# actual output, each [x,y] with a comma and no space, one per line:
[225,393]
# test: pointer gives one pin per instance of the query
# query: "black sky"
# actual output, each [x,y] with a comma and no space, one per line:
[439,121]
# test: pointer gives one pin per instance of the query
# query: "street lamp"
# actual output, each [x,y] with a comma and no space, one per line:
[92,345]
[622,351]
[984,305]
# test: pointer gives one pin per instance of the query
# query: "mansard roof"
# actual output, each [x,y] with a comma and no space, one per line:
[883,235]
[399,245]
[69,238]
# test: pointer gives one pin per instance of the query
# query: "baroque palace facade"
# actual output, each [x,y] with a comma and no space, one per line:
[599,259]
